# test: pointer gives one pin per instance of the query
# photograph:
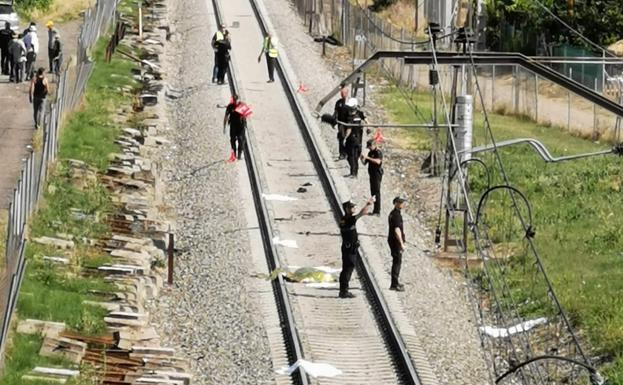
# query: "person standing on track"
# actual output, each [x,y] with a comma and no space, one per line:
[353,136]
[5,39]
[52,33]
[340,113]
[218,36]
[222,57]
[269,48]
[237,126]
[374,159]
[37,93]
[350,243]
[396,240]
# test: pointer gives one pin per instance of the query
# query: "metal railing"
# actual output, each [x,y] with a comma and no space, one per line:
[71,84]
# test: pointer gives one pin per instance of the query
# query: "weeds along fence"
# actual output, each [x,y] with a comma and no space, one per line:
[70,86]
[508,88]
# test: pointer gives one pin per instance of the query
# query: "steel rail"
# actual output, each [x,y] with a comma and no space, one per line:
[406,370]
[291,338]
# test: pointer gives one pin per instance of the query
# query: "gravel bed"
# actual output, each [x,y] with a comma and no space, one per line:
[210,313]
[435,299]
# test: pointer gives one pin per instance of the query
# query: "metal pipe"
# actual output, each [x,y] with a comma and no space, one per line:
[540,149]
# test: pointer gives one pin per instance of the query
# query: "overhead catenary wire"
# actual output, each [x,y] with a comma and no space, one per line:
[521,218]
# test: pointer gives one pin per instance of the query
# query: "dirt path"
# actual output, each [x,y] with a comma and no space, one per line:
[16,118]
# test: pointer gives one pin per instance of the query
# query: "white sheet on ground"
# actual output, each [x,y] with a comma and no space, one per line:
[311,368]
[519,328]
[277,197]
[285,242]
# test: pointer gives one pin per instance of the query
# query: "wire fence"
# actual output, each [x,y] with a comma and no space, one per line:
[70,86]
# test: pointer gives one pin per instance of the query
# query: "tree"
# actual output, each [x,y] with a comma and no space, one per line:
[601,21]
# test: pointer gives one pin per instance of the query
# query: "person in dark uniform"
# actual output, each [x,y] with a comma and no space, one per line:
[396,240]
[218,36]
[350,243]
[354,136]
[37,93]
[340,113]
[222,57]
[5,39]
[374,160]
[237,126]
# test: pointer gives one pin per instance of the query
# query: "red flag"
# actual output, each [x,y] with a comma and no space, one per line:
[244,110]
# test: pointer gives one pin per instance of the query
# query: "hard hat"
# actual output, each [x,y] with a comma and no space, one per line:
[49,24]
[352,103]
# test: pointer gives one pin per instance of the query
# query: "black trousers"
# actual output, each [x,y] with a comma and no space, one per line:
[375,189]
[222,64]
[270,63]
[353,150]
[396,264]
[5,59]
[215,68]
[340,140]
[31,57]
[51,58]
[349,258]
[17,71]
[236,140]
[37,106]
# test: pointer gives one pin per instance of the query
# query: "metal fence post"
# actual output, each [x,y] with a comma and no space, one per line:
[569,102]
[536,98]
[493,88]
[595,116]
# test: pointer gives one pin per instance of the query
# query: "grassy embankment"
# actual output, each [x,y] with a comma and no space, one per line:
[59,11]
[57,292]
[577,209]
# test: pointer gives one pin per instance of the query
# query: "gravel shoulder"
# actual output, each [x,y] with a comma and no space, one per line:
[435,300]
[212,312]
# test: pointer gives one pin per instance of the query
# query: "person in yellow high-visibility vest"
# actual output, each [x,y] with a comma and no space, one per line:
[269,47]
[218,37]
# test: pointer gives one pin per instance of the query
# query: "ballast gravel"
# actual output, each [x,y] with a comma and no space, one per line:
[210,312]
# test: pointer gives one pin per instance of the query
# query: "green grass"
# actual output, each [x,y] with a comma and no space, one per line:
[22,356]
[56,292]
[89,134]
[577,209]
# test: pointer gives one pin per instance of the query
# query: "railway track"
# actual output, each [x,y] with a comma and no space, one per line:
[358,336]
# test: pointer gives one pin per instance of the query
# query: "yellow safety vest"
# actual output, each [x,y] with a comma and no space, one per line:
[270,48]
[219,36]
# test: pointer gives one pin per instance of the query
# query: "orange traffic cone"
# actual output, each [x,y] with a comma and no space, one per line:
[302,87]
[378,136]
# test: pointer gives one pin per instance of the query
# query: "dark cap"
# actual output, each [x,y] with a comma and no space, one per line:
[369,143]
[399,200]
[347,205]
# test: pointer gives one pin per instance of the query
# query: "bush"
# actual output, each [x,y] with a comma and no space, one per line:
[379,5]
[34,4]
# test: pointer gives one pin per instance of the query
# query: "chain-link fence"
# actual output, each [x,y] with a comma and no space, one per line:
[69,89]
